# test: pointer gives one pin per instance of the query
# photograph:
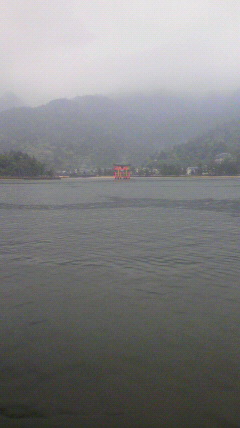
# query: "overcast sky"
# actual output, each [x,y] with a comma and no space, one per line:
[63,48]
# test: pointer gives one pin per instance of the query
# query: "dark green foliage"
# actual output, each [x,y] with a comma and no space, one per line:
[227,167]
[170,169]
[202,153]
[18,164]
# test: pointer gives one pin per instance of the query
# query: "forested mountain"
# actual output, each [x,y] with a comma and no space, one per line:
[95,131]
[217,152]
[88,131]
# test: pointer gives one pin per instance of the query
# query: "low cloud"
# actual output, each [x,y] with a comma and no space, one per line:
[55,49]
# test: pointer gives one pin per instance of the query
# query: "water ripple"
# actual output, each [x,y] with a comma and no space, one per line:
[224,205]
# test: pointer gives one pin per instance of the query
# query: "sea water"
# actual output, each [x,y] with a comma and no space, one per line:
[120,302]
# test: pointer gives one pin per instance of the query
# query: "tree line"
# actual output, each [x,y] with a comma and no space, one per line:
[203,152]
[18,164]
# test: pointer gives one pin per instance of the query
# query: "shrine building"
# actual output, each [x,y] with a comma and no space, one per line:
[121,171]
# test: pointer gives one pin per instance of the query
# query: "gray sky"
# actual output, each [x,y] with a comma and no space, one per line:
[63,48]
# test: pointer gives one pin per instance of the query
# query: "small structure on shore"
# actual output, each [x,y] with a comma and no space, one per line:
[221,157]
[121,171]
[193,170]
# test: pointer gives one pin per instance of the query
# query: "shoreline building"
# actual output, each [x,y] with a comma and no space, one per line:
[193,170]
[121,172]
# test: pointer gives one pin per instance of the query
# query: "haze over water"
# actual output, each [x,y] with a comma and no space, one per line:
[120,303]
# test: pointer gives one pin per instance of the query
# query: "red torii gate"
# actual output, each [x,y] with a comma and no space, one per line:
[121,171]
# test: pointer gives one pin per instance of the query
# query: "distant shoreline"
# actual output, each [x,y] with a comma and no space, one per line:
[107,177]
[29,178]
[188,176]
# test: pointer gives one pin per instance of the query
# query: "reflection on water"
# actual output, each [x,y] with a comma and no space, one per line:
[120,303]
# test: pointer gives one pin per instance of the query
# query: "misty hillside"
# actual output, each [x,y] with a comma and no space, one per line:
[91,131]
[9,100]
[217,152]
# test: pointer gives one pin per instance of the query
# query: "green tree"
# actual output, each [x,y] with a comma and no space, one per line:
[19,164]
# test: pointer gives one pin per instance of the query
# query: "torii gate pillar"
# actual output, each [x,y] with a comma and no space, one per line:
[121,172]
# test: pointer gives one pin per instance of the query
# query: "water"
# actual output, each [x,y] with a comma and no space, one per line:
[120,303]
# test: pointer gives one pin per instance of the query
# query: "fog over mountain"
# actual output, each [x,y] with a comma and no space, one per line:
[115,80]
[9,100]
[95,131]
[60,49]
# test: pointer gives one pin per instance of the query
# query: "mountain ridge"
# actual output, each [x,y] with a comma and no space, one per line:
[96,130]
